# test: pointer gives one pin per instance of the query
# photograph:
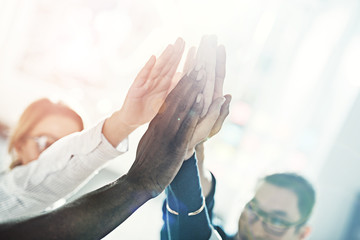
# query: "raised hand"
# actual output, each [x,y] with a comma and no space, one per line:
[162,149]
[217,112]
[211,123]
[151,86]
[214,67]
[220,71]
[146,94]
[206,57]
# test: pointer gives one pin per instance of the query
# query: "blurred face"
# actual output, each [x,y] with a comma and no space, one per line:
[272,215]
[45,133]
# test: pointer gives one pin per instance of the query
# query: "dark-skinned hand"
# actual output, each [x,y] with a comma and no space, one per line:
[162,149]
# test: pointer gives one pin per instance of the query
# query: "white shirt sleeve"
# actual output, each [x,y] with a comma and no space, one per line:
[60,170]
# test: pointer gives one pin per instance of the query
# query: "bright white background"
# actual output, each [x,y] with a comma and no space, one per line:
[292,70]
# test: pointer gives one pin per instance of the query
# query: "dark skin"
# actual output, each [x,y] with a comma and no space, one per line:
[96,214]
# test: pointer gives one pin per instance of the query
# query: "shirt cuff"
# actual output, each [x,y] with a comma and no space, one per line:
[121,148]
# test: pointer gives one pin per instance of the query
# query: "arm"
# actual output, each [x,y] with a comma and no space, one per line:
[80,219]
[166,138]
[61,169]
[202,133]
[185,193]
[69,162]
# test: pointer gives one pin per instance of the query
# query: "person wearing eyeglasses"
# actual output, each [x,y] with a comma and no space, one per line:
[41,124]
[53,155]
[280,209]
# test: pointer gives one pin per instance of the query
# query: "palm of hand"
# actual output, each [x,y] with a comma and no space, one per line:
[151,86]
[142,103]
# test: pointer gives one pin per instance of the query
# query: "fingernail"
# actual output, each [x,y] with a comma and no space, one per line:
[223,100]
[200,75]
[198,98]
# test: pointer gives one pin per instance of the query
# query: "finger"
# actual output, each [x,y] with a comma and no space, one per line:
[162,60]
[171,67]
[188,126]
[206,56]
[220,71]
[167,75]
[144,73]
[213,113]
[201,53]
[190,61]
[175,81]
[180,47]
[208,94]
[176,60]
[206,124]
[224,112]
[188,97]
[210,54]
[183,95]
[206,52]
[168,66]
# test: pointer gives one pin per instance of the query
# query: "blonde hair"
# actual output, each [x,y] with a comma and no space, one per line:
[32,115]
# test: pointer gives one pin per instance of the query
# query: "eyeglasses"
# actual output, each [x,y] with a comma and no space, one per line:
[43,141]
[271,223]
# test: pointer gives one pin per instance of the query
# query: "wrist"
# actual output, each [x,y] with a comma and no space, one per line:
[193,213]
[142,186]
[115,130]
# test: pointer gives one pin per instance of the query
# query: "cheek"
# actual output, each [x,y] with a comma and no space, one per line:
[243,226]
[290,235]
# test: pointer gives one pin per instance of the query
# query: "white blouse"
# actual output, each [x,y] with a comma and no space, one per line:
[60,170]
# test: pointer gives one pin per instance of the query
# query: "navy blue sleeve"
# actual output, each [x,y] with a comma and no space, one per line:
[184,195]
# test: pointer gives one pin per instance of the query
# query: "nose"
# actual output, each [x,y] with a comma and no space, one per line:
[257,225]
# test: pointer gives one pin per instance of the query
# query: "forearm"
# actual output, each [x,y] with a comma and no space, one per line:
[204,173]
[184,196]
[88,217]
[58,172]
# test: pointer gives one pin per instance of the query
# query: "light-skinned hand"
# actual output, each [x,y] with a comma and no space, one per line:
[146,94]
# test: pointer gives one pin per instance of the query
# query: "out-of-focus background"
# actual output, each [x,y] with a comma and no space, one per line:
[292,69]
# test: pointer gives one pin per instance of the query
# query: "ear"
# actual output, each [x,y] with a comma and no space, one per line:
[304,232]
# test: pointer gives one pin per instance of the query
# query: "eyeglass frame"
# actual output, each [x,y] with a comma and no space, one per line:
[42,141]
[264,217]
